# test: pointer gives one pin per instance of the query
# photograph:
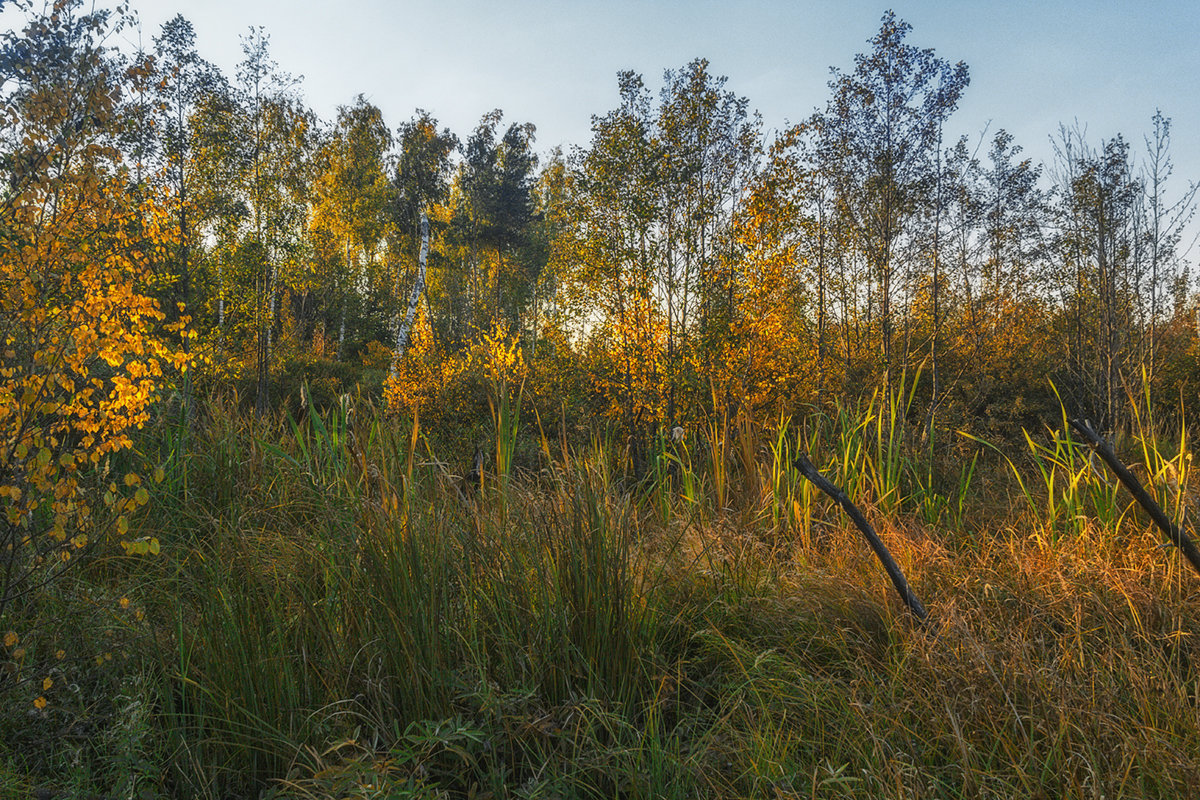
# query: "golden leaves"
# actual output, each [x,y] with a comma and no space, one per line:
[499,353]
[82,357]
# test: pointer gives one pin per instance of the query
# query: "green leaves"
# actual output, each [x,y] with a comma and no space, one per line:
[144,545]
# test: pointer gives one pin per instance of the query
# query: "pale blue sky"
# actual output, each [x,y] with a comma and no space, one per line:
[1034,63]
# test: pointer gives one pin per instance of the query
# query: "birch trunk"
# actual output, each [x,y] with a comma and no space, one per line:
[402,330]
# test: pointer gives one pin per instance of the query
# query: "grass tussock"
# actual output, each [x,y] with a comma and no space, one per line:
[338,614]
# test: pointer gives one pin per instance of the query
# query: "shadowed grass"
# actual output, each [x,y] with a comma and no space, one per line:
[337,615]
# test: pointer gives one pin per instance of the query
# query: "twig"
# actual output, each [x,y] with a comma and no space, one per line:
[910,599]
[1173,531]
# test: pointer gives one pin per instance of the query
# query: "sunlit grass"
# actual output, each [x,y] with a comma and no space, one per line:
[337,615]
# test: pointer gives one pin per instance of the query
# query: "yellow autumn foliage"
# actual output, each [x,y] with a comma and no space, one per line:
[83,349]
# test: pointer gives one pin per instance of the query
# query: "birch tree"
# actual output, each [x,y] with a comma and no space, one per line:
[883,124]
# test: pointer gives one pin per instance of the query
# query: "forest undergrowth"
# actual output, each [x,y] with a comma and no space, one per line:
[337,613]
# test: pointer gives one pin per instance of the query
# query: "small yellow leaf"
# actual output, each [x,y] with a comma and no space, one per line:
[40,703]
[46,684]
[11,638]
[122,526]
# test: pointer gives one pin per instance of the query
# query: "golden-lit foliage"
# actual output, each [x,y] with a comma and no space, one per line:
[82,353]
[419,377]
[425,378]
[499,356]
[768,355]
[633,348]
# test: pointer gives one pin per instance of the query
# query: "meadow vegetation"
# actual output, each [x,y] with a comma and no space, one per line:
[335,614]
[338,465]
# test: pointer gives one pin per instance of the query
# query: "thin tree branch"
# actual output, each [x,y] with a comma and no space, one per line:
[910,599]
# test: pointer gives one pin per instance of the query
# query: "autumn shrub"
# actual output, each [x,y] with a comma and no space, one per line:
[458,396]
[84,353]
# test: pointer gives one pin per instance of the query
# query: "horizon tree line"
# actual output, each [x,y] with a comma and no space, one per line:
[682,262]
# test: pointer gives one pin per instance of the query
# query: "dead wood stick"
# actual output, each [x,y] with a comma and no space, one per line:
[881,552]
[1173,531]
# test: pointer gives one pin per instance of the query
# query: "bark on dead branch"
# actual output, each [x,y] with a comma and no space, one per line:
[910,599]
[1173,531]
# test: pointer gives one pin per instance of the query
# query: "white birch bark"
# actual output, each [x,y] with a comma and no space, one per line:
[403,329]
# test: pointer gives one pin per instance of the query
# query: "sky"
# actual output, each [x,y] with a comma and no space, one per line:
[1035,64]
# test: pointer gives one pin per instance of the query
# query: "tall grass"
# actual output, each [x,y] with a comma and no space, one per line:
[1166,456]
[791,497]
[337,615]
[355,608]
[1067,492]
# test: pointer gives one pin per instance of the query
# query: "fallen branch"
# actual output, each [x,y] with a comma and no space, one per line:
[910,599]
[1173,531]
